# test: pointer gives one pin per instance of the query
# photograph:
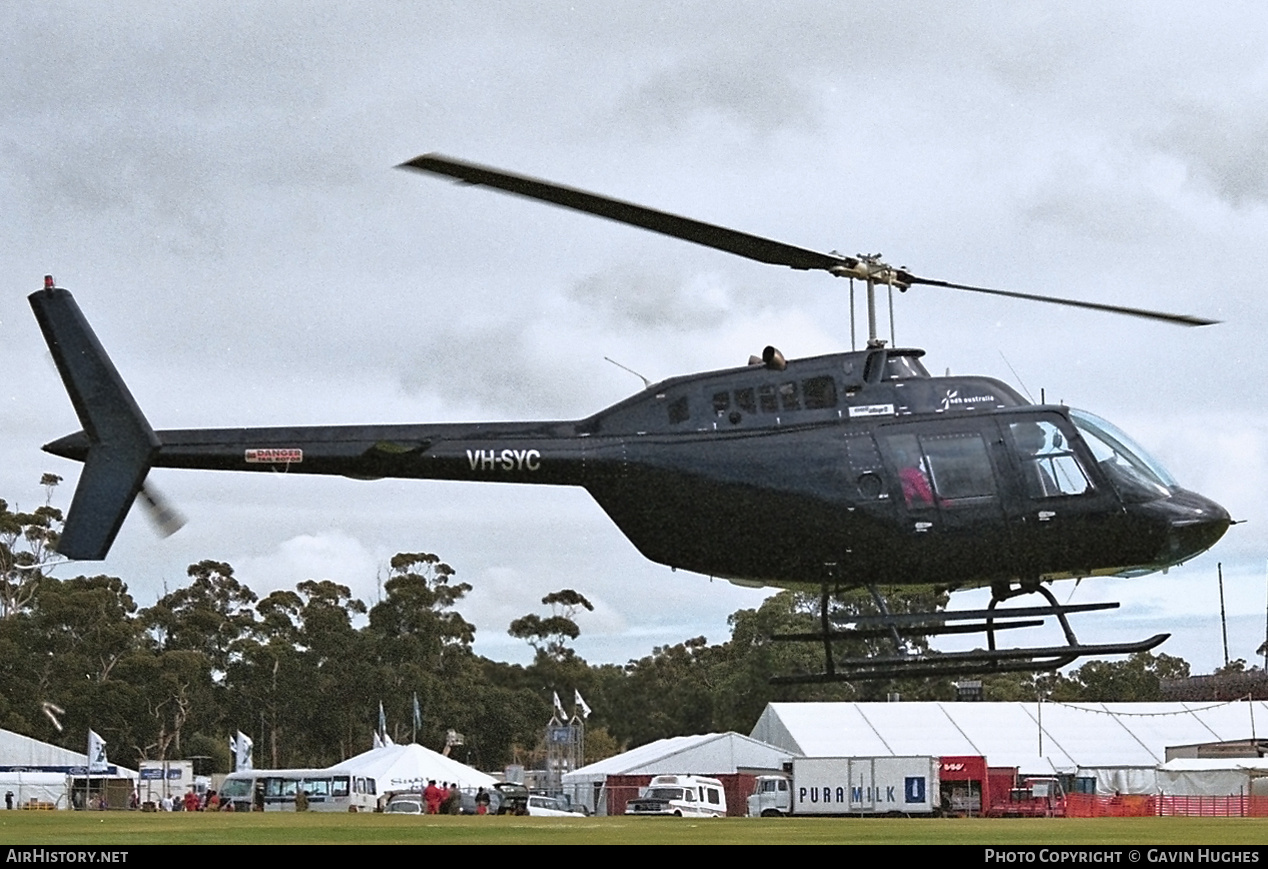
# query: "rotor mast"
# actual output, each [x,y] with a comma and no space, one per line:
[871,270]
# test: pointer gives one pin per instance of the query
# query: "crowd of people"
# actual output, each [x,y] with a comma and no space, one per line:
[438,799]
[190,802]
[446,799]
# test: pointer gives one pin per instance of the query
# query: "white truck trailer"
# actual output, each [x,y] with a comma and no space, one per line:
[849,786]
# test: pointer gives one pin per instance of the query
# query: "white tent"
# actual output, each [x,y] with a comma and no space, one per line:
[708,754]
[18,752]
[1038,738]
[52,788]
[410,767]
[1214,777]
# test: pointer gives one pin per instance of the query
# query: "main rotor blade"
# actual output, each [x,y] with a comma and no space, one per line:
[707,234]
[1181,319]
[733,241]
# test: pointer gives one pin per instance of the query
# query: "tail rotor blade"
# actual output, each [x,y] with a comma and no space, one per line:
[166,518]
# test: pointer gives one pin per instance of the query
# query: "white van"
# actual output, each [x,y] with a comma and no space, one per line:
[680,795]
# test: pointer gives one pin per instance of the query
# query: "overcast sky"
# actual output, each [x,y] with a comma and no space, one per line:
[214,181]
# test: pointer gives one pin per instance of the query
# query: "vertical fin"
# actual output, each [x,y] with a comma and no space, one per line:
[120,443]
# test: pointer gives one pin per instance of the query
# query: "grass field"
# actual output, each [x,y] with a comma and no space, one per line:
[134,828]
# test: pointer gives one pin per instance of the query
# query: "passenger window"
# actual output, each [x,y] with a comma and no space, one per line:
[959,466]
[766,397]
[721,402]
[942,469]
[820,392]
[745,400]
[788,397]
[1049,468]
[913,470]
[678,410]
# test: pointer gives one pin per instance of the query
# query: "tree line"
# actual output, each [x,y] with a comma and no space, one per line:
[303,671]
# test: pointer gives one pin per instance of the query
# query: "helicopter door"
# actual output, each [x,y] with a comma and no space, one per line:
[1060,517]
[947,489]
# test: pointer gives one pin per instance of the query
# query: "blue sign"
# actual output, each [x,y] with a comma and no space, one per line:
[914,789]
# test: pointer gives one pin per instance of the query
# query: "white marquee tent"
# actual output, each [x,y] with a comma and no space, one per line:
[1214,777]
[1121,744]
[51,788]
[23,752]
[708,754]
[32,769]
[410,767]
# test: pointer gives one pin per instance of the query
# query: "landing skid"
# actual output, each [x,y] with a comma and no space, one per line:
[977,662]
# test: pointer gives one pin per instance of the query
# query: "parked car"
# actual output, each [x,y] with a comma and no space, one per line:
[542,806]
[405,804]
[511,797]
[412,803]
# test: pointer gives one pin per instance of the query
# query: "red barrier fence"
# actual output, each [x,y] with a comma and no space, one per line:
[1139,806]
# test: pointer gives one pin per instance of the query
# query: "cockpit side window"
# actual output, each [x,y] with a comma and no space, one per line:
[1050,469]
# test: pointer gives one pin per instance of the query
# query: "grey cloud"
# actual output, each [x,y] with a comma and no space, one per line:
[761,99]
[496,367]
[1223,146]
[651,299]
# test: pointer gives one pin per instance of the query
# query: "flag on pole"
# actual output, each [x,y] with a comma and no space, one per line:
[382,721]
[559,708]
[241,746]
[97,753]
[418,715]
[580,703]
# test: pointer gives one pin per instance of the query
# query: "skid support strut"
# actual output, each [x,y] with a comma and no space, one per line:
[989,621]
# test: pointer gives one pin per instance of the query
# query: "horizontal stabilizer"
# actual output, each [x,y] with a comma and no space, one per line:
[120,443]
[107,487]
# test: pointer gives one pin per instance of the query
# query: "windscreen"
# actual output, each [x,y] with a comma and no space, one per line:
[665,794]
[1136,474]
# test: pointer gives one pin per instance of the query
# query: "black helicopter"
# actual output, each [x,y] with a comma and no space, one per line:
[850,470]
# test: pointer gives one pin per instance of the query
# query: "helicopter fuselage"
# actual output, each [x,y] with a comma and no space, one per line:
[850,468]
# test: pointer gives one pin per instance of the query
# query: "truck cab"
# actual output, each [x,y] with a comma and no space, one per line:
[770,798]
